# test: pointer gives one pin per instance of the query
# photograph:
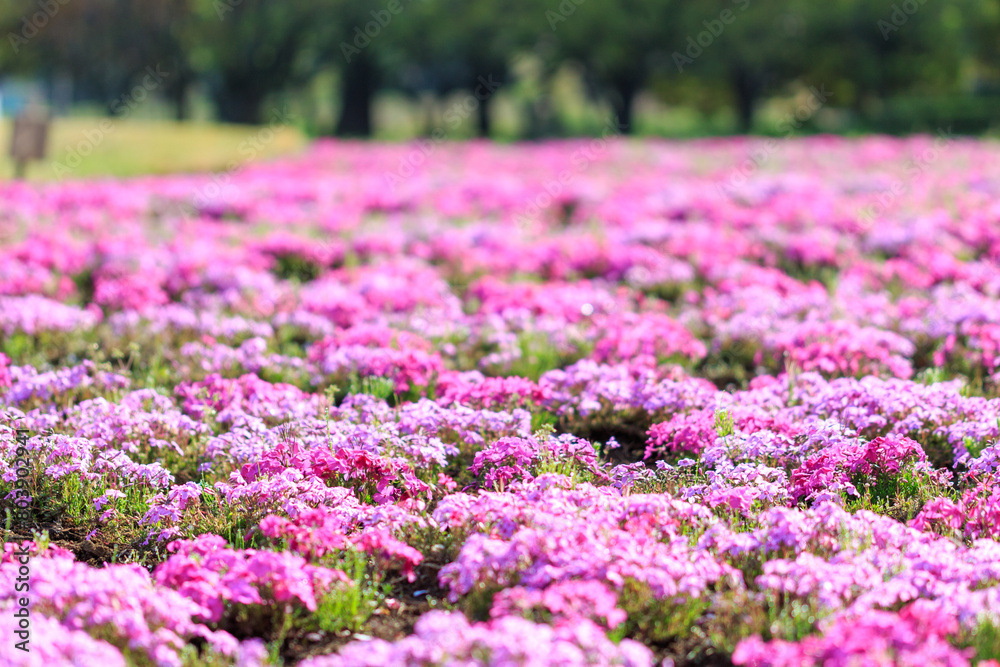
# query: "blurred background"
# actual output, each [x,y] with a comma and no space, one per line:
[181,79]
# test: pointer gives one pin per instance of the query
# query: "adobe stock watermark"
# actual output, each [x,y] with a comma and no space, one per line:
[121,109]
[362,38]
[915,166]
[713,30]
[453,117]
[788,124]
[223,7]
[581,159]
[22,514]
[566,9]
[22,469]
[901,13]
[31,26]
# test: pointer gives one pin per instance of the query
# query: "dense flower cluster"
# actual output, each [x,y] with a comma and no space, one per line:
[208,573]
[326,421]
[916,636]
[449,639]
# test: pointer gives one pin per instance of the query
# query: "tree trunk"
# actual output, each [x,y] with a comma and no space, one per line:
[179,99]
[541,118]
[239,104]
[483,117]
[747,88]
[623,105]
[357,88]
[428,104]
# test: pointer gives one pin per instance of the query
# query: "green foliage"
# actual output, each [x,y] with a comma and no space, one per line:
[976,447]
[192,656]
[932,375]
[69,503]
[658,621]
[477,603]
[710,637]
[725,426]
[985,639]
[381,388]
[549,463]
[900,496]
[348,606]
[733,364]
[721,59]
[297,268]
[538,355]
[543,418]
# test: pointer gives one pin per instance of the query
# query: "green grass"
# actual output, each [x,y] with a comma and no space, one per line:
[348,607]
[137,147]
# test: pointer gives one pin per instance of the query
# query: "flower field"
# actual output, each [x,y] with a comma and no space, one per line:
[571,403]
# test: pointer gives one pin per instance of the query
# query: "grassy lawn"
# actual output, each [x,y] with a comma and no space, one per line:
[135,147]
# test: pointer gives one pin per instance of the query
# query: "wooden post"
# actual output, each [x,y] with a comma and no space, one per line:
[28,139]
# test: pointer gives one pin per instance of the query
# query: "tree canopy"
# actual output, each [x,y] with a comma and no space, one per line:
[715,54]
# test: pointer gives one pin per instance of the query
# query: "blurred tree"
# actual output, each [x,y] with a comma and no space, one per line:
[449,45]
[348,35]
[870,52]
[618,42]
[716,53]
[106,46]
[248,49]
[746,47]
[985,29]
